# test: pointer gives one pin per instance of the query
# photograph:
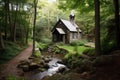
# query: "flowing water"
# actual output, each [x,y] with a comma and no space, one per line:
[53,69]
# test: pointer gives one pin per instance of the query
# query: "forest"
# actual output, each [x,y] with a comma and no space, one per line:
[36,43]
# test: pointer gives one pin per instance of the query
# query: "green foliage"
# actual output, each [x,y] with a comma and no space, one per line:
[59,44]
[37,54]
[46,19]
[73,51]
[108,39]
[82,41]
[69,55]
[108,47]
[78,43]
[42,46]
[80,49]
[45,40]
[14,78]
[9,52]
[78,63]
[89,52]
[56,49]
[74,43]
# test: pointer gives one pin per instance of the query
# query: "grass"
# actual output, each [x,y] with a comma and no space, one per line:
[79,49]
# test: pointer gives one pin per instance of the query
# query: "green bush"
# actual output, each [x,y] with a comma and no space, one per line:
[37,54]
[74,43]
[107,46]
[45,40]
[42,46]
[82,42]
[89,52]
[56,49]
[69,55]
[59,43]
[108,38]
[79,43]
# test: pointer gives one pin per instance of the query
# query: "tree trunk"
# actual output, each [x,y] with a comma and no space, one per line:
[9,22]
[34,24]
[14,25]
[6,18]
[116,6]
[97,27]
[1,42]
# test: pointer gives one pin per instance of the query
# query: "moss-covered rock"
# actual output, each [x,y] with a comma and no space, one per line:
[25,68]
[33,66]
[37,54]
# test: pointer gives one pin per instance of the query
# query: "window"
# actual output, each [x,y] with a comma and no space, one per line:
[74,35]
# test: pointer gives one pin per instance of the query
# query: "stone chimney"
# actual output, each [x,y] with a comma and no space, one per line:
[72,17]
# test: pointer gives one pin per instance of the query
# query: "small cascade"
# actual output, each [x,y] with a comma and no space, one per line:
[54,67]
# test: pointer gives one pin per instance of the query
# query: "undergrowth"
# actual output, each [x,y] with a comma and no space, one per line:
[10,77]
[11,50]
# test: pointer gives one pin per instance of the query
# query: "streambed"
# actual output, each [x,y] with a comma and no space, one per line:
[54,67]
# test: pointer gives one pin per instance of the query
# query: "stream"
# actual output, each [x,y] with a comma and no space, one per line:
[53,69]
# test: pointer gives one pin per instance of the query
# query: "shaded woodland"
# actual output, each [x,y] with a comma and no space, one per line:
[24,22]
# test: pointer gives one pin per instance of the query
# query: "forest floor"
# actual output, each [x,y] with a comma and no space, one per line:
[107,71]
[10,68]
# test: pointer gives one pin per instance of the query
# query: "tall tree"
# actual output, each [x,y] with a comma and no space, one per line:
[97,27]
[116,6]
[1,40]
[6,7]
[34,24]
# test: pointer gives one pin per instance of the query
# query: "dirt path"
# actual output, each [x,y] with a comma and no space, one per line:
[10,68]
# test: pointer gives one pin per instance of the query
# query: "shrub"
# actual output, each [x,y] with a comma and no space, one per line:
[45,40]
[89,52]
[79,64]
[79,43]
[41,46]
[37,54]
[74,43]
[107,46]
[59,43]
[56,49]
[69,55]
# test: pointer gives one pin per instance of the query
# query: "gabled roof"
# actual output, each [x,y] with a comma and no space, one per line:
[70,26]
[60,30]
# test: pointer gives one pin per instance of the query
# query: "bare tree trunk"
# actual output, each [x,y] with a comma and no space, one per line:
[14,25]
[116,6]
[10,23]
[1,42]
[6,18]
[14,32]
[97,27]
[34,24]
